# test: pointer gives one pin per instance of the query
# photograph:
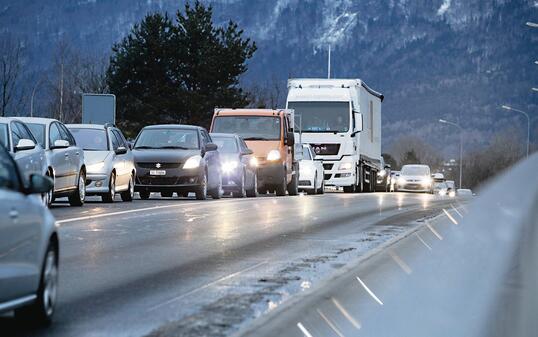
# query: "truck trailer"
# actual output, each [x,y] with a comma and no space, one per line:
[341,120]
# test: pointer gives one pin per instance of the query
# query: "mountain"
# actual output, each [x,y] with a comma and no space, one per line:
[455,59]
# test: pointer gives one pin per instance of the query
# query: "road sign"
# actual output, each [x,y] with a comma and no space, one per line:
[98,109]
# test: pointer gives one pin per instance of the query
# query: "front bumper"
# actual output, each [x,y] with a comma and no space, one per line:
[414,188]
[271,174]
[97,183]
[175,180]
[231,181]
[336,177]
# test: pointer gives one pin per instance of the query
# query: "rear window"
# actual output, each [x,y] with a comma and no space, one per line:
[226,144]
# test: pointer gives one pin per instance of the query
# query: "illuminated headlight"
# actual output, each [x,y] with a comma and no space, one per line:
[401,181]
[452,194]
[229,166]
[192,163]
[426,182]
[273,155]
[345,166]
[254,162]
[382,173]
[99,167]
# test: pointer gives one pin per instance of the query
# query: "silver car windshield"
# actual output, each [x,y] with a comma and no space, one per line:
[38,130]
[321,116]
[415,171]
[226,144]
[168,139]
[4,135]
[91,139]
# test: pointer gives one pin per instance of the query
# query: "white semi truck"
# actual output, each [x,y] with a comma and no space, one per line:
[341,120]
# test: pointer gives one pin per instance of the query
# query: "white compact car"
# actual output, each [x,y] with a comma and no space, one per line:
[109,161]
[311,172]
[65,160]
[415,178]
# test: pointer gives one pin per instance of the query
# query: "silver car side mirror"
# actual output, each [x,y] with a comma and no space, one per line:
[25,144]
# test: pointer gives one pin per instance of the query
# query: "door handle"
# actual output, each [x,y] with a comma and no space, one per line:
[13,214]
[78,154]
[66,154]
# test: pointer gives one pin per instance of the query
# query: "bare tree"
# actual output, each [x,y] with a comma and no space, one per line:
[407,149]
[269,95]
[10,74]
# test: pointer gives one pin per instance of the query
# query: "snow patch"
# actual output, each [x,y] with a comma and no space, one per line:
[338,22]
[444,7]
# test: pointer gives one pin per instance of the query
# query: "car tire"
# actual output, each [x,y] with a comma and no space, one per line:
[242,193]
[253,192]
[144,195]
[128,195]
[322,187]
[313,190]
[49,196]
[42,310]
[201,191]
[79,195]
[216,193]
[109,197]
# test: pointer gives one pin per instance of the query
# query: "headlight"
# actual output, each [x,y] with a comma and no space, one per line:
[254,162]
[273,155]
[193,162]
[229,166]
[401,181]
[426,181]
[452,194]
[382,173]
[345,166]
[98,167]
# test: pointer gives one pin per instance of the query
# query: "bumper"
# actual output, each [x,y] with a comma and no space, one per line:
[414,188]
[271,174]
[231,181]
[97,183]
[175,180]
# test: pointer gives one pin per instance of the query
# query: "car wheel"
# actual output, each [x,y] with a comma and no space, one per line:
[216,193]
[253,192]
[48,197]
[144,195]
[322,187]
[201,191]
[79,195]
[314,190]
[293,186]
[129,194]
[42,310]
[109,197]
[242,192]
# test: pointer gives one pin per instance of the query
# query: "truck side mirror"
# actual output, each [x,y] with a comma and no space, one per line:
[358,127]
[290,139]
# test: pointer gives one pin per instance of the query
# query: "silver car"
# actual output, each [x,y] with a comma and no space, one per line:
[65,160]
[29,245]
[21,144]
[311,173]
[109,161]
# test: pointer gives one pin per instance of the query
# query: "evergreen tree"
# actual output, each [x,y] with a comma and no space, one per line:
[178,72]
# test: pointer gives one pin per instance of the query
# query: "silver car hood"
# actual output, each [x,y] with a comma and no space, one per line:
[94,157]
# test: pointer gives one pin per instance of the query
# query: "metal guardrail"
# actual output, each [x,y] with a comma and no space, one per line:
[471,272]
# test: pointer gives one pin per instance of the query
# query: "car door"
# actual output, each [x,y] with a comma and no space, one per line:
[119,159]
[59,159]
[29,161]
[74,154]
[20,231]
[212,160]
[128,158]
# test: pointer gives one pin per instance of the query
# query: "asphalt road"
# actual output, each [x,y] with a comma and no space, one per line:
[127,269]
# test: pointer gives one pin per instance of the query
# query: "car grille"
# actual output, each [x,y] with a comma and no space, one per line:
[328,167]
[326,149]
[158,181]
[327,176]
[163,166]
[304,182]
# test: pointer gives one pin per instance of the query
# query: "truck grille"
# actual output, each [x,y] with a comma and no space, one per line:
[326,149]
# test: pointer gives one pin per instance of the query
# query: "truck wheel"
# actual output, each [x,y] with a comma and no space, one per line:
[293,186]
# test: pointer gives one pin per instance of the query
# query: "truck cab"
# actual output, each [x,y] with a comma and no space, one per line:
[341,120]
[270,135]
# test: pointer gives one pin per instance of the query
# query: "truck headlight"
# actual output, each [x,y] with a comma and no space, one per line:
[229,166]
[193,162]
[345,166]
[382,173]
[253,162]
[273,155]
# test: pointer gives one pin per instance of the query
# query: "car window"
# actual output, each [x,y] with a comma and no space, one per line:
[115,140]
[121,142]
[90,139]
[226,144]
[205,137]
[4,136]
[38,131]
[164,138]
[54,134]
[243,145]
[16,135]
[9,176]
[122,138]
[24,131]
[66,135]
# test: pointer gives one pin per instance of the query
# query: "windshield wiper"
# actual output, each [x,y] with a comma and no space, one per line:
[176,147]
[255,138]
[144,147]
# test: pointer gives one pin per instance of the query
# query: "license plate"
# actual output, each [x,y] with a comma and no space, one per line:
[157,172]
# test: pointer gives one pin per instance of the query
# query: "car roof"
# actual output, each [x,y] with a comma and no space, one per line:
[173,126]
[415,165]
[86,126]
[224,135]
[37,120]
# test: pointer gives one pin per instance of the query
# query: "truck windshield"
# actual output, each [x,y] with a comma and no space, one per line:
[249,127]
[321,116]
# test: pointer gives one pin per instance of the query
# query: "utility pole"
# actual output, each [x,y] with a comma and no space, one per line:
[506,107]
[329,64]
[461,145]
[61,90]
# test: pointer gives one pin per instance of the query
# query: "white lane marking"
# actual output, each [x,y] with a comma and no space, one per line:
[369,291]
[330,324]
[450,217]
[434,231]
[303,329]
[205,286]
[346,314]
[104,215]
[400,262]
[456,210]
[424,242]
